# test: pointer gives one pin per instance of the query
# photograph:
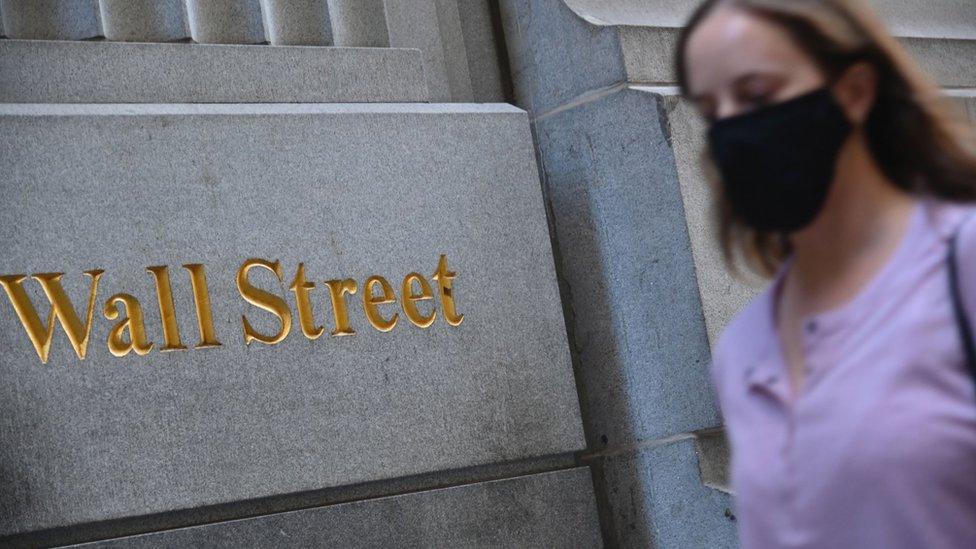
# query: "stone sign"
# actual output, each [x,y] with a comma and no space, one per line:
[212,303]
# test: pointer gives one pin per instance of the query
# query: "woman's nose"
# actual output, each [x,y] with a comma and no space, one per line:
[726,108]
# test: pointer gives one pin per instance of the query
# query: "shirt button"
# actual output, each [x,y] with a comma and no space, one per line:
[811,326]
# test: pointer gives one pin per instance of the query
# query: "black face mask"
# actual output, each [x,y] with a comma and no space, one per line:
[777,162]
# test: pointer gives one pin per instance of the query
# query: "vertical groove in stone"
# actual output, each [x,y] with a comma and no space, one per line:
[433,27]
[225,21]
[359,23]
[143,20]
[297,22]
[50,19]
[481,45]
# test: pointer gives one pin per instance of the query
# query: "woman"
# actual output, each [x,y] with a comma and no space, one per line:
[841,172]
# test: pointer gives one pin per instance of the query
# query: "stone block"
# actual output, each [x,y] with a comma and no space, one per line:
[647,53]
[626,262]
[544,510]
[967,102]
[297,22]
[948,61]
[933,19]
[108,72]
[714,456]
[348,191]
[433,27]
[50,19]
[656,498]
[359,23]
[143,20]
[225,21]
[556,57]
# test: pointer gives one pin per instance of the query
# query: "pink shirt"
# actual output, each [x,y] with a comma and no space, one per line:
[879,448]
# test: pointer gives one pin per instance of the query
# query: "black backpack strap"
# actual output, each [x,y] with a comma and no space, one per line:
[958,307]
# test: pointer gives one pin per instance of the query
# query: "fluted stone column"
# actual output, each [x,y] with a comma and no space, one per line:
[225,21]
[143,20]
[482,51]
[50,19]
[359,23]
[297,22]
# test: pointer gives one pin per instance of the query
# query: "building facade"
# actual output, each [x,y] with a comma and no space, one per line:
[365,273]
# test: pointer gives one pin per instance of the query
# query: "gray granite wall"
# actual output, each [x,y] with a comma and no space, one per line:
[628,278]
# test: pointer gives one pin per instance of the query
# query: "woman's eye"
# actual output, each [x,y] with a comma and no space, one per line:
[756,100]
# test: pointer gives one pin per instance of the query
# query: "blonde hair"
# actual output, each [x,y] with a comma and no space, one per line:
[920,139]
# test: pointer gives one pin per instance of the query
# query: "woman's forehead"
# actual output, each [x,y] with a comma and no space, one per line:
[730,42]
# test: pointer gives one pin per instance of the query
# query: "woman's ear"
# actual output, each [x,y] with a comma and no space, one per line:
[856,90]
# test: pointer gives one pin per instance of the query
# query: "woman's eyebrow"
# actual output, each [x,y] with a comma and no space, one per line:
[746,78]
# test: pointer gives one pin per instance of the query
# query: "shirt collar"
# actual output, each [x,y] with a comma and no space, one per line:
[766,366]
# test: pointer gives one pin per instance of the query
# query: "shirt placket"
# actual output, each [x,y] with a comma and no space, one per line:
[814,335]
[769,377]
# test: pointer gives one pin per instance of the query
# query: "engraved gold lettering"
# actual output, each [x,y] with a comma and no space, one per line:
[201,299]
[337,290]
[133,321]
[410,300]
[264,300]
[444,279]
[128,333]
[61,310]
[371,302]
[301,287]
[167,311]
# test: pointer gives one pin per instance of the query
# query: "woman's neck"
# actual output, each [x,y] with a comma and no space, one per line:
[862,223]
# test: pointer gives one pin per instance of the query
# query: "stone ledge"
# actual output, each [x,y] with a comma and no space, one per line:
[665,503]
[554,509]
[40,71]
[932,19]
[646,55]
[135,526]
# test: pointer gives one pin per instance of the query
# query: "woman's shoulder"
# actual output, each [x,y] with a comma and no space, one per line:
[955,221]
[952,219]
[966,227]
[962,227]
